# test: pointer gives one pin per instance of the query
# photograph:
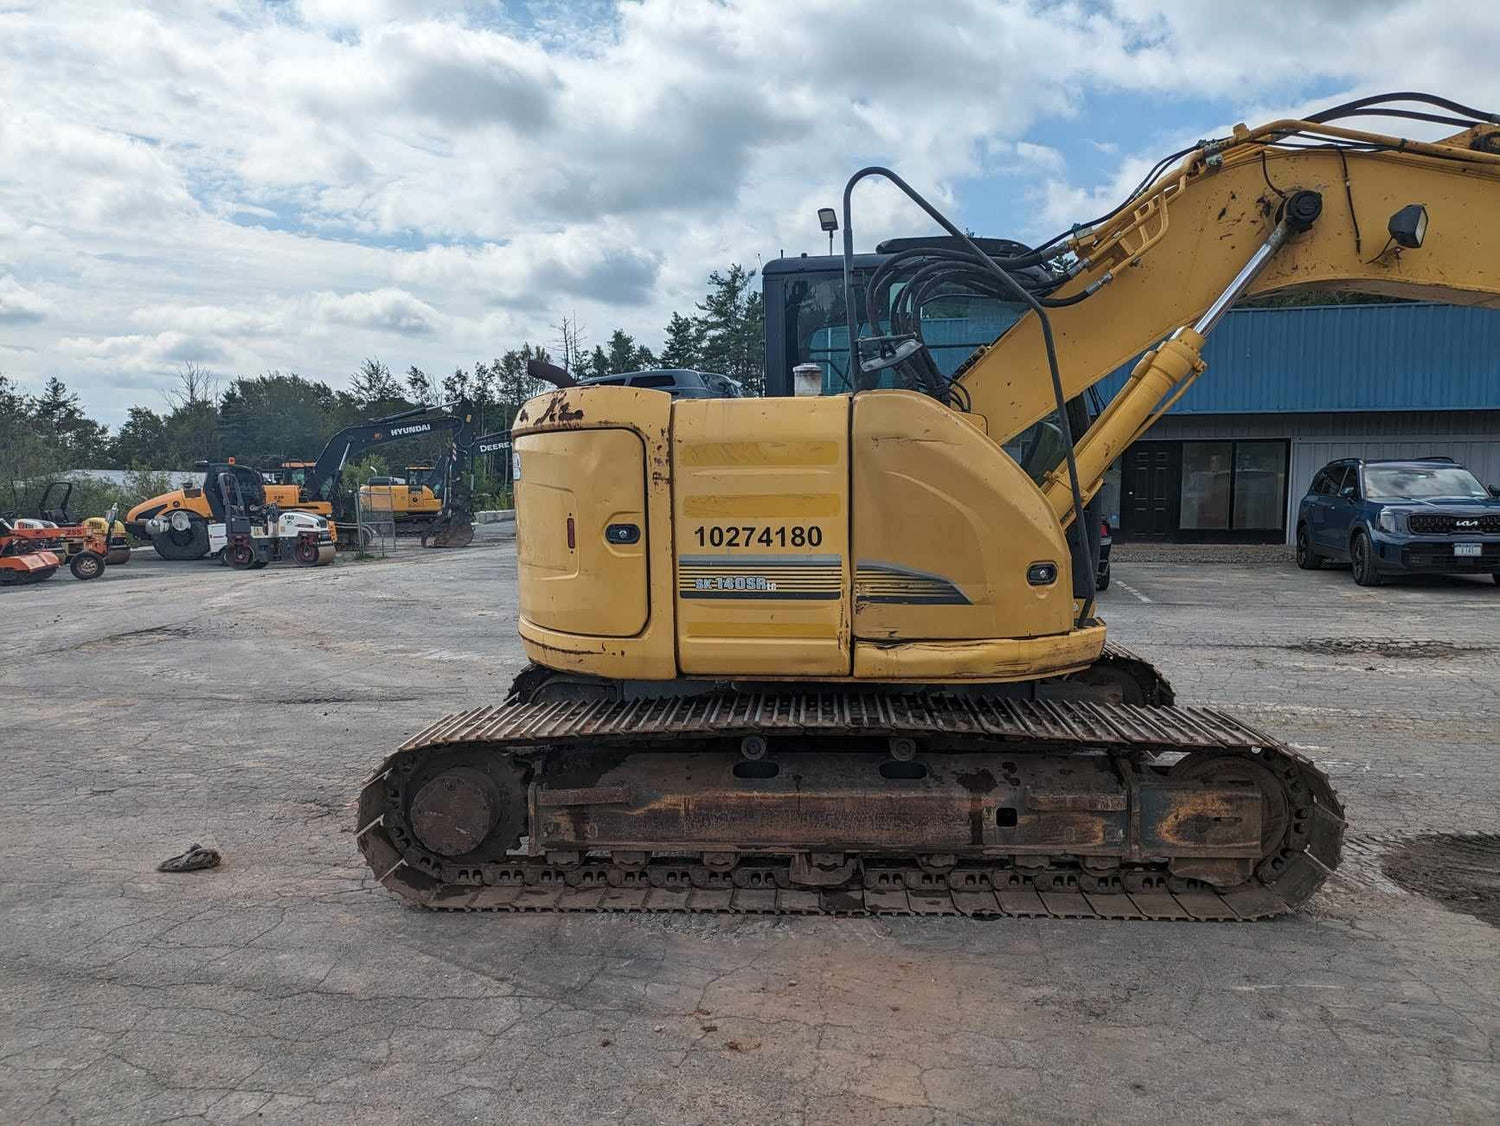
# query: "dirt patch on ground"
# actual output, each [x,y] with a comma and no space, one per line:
[1383,647]
[148,634]
[1462,873]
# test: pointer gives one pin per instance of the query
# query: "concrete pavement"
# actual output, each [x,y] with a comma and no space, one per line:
[171,703]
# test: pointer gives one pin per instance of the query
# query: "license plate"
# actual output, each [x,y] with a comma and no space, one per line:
[1467,548]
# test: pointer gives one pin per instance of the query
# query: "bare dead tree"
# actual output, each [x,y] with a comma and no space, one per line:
[195,384]
[570,340]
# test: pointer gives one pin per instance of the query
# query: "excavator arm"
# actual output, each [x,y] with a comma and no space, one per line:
[322,478]
[1249,215]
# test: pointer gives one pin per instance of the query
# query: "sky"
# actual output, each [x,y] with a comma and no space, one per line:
[250,185]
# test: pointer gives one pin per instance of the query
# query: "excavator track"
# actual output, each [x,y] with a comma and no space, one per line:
[706,803]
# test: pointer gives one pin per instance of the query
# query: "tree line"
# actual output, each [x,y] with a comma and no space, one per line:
[261,419]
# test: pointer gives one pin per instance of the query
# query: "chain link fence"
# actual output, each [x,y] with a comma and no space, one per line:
[375,521]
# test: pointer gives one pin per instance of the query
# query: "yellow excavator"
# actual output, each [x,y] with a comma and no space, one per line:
[840,653]
[409,501]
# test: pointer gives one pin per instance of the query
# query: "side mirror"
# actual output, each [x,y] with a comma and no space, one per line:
[1348,492]
[1495,490]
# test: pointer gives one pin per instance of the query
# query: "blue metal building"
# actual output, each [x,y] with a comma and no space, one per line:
[1288,390]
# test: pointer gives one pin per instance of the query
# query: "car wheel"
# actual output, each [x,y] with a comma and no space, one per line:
[1307,558]
[86,565]
[1101,582]
[1362,553]
[1496,577]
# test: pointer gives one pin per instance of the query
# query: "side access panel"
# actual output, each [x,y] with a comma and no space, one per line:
[761,524]
[582,551]
[961,569]
[946,527]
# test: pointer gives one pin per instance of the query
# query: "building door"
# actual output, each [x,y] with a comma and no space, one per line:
[1149,490]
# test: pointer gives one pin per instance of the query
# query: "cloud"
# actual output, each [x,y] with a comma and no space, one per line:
[19,305]
[276,185]
[535,269]
[383,310]
[210,320]
[143,352]
[1042,157]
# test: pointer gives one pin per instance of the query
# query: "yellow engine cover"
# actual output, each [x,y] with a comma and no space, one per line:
[761,523]
[875,537]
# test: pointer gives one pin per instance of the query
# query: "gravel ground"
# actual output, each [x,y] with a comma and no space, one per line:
[171,703]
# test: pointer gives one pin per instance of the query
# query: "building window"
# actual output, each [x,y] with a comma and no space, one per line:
[1259,485]
[1203,491]
[1206,484]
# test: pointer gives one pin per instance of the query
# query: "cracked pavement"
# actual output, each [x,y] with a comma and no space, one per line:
[167,704]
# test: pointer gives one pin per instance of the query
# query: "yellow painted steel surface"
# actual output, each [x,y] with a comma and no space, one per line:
[946,526]
[629,477]
[761,490]
[744,566]
[399,500]
[883,538]
[578,484]
[993,659]
[286,497]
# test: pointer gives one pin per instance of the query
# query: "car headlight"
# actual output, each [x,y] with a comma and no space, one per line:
[1389,521]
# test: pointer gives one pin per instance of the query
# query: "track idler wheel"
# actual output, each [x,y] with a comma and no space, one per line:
[463,808]
[454,812]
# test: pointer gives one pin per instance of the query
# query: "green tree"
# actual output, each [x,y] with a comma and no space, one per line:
[79,441]
[733,320]
[598,363]
[141,442]
[279,415]
[190,434]
[459,385]
[513,384]
[626,355]
[684,342]
[418,386]
[375,390]
[25,453]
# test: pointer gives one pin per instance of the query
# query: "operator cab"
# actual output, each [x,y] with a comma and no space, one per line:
[289,471]
[806,322]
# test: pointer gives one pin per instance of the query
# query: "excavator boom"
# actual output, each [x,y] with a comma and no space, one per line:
[1177,247]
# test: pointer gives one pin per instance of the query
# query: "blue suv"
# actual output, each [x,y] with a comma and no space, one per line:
[1426,516]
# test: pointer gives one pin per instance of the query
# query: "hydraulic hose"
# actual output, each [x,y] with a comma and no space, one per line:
[1079,540]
